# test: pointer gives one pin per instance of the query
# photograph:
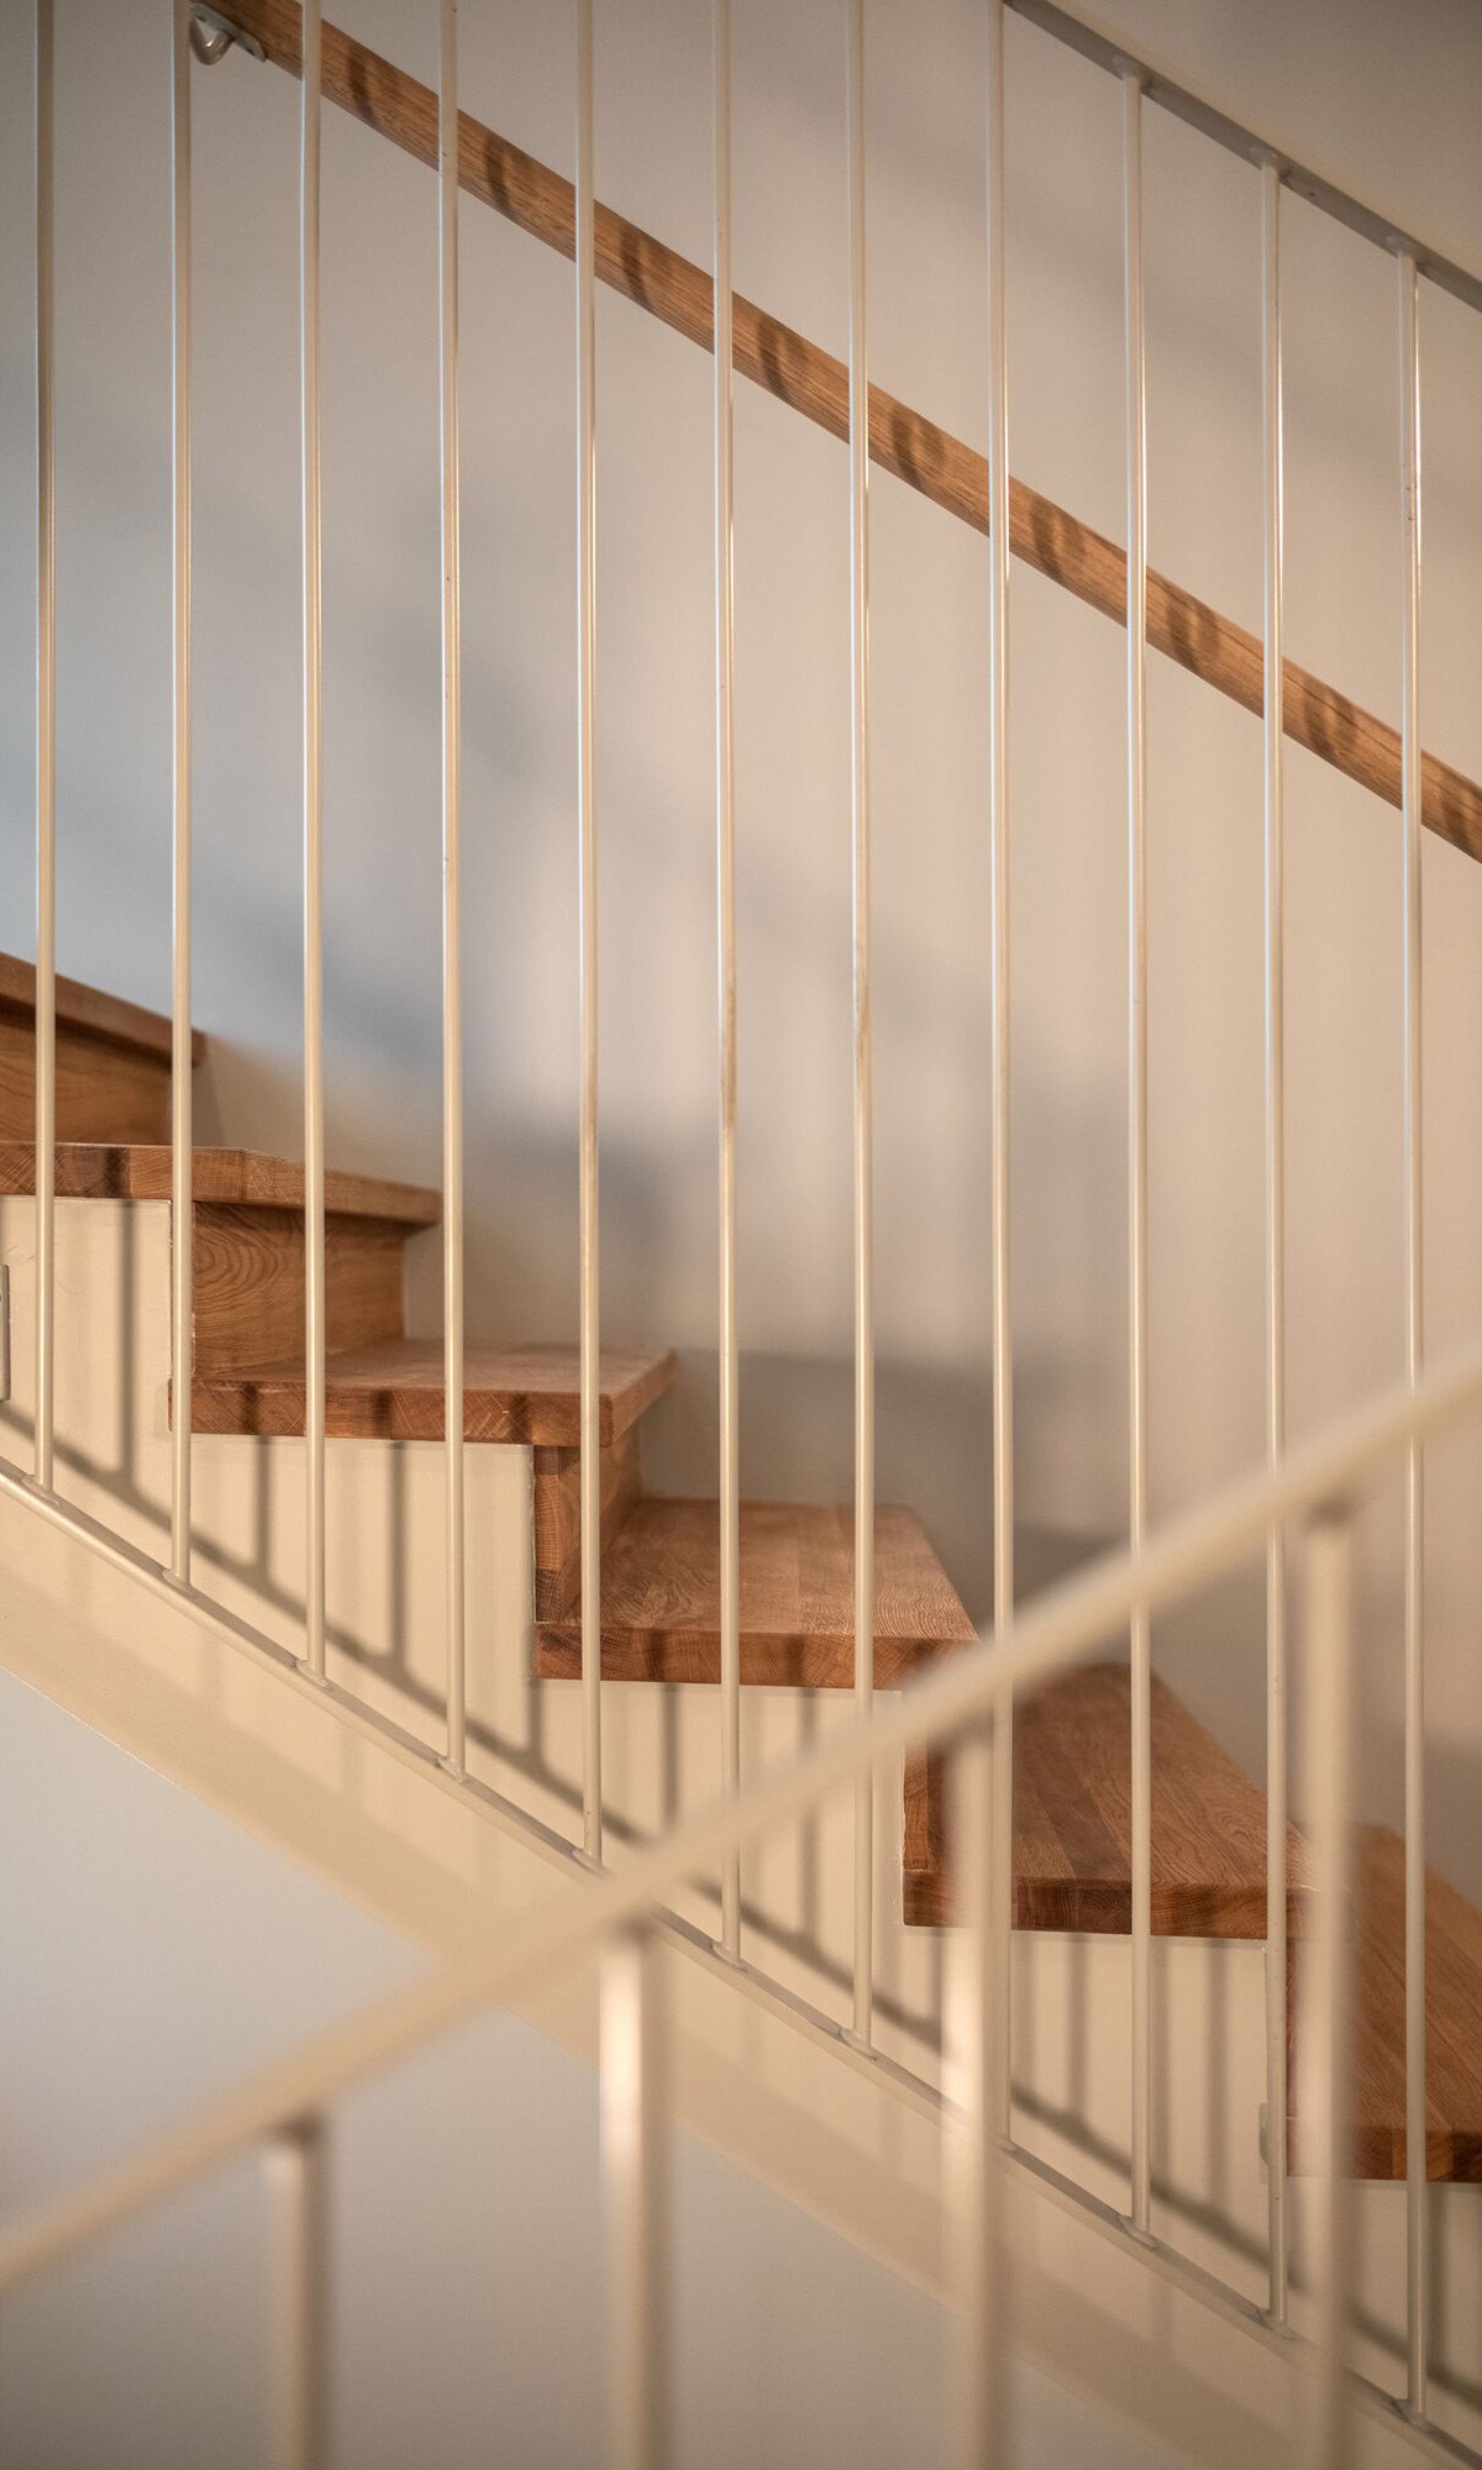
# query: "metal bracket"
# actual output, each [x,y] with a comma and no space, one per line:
[212,36]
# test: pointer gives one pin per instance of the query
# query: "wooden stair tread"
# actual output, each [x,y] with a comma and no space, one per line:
[1073,1820]
[1453,2022]
[394,1390]
[661,1598]
[223,1178]
[91,1013]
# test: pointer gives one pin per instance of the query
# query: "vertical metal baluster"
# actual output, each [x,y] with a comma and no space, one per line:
[864,1068]
[310,99]
[635,2190]
[998,836]
[1137,1162]
[972,2192]
[725,814]
[1275,1108]
[1322,2108]
[1417,2262]
[46,754]
[181,1161]
[298,2189]
[452,1025]
[586,656]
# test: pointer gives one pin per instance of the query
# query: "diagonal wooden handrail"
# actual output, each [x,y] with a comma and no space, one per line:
[928,458]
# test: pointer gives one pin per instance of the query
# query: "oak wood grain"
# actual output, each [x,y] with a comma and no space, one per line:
[232,1178]
[556,1510]
[661,1598]
[393,1389]
[1453,2023]
[1073,1821]
[104,1092]
[248,1270]
[87,1009]
[916,450]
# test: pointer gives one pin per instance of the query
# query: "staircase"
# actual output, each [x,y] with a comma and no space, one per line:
[969,1937]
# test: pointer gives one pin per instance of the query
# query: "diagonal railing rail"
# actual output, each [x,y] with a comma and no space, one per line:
[943,468]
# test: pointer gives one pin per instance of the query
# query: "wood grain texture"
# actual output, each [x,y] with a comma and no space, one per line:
[393,1390]
[86,1009]
[248,1269]
[104,1092]
[661,1598]
[231,1178]
[556,1508]
[1453,2023]
[1073,1821]
[813,382]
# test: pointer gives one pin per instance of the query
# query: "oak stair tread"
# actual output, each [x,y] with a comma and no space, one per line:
[1073,1820]
[222,1178]
[89,1011]
[394,1390]
[1453,2022]
[661,1598]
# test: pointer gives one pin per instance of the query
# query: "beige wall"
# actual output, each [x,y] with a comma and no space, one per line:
[1383,94]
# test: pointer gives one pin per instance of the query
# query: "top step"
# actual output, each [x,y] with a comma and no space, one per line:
[113,1062]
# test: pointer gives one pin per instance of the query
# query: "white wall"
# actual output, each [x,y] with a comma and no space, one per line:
[465,2206]
[1383,94]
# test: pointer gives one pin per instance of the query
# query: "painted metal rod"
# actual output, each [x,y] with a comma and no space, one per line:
[864,1052]
[725,864]
[1137,1149]
[1417,2258]
[310,155]
[586,660]
[181,1135]
[297,2176]
[46,753]
[452,1023]
[1323,2103]
[1276,1322]
[1000,1137]
[635,2192]
[972,2190]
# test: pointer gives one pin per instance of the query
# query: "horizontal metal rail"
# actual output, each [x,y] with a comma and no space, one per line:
[952,474]
[1193,1552]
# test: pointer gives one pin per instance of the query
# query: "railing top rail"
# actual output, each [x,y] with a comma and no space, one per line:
[1188,102]
[1192,1552]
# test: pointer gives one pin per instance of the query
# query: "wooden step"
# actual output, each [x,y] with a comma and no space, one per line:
[393,1391]
[1073,1820]
[113,1062]
[248,1250]
[1453,2023]
[661,1598]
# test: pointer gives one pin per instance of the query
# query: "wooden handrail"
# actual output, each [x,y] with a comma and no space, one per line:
[928,458]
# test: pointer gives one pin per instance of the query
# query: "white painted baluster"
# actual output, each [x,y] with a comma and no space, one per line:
[298,2190]
[635,2190]
[1323,2074]
[864,1053]
[586,656]
[1417,2276]
[452,1024]
[998,837]
[46,754]
[181,1158]
[725,815]
[1275,1111]
[977,2098]
[1137,1161]
[310,151]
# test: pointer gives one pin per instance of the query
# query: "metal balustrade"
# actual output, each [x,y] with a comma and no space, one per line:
[967,1705]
